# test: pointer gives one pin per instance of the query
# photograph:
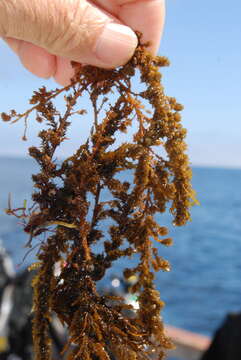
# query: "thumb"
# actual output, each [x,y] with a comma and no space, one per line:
[73,29]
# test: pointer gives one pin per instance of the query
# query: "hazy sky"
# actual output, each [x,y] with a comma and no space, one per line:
[203,41]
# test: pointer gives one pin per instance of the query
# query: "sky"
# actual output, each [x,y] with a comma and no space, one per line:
[202,39]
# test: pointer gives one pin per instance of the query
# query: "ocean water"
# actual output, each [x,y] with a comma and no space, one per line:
[205,281]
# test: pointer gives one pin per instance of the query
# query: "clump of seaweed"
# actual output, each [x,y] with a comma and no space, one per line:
[97,326]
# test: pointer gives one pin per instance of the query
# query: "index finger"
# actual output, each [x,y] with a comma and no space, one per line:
[145,16]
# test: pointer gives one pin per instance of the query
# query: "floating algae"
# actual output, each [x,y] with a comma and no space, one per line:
[97,326]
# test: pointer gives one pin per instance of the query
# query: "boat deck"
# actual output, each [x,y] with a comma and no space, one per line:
[189,345]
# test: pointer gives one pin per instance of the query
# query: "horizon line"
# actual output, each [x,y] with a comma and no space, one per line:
[192,164]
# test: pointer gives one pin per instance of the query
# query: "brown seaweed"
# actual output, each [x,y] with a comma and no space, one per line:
[69,207]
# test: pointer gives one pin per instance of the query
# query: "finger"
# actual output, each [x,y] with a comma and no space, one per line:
[74,29]
[42,64]
[35,59]
[151,25]
[145,16]
[64,71]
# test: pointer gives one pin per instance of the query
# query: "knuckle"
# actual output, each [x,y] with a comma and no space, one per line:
[7,11]
[17,17]
[76,26]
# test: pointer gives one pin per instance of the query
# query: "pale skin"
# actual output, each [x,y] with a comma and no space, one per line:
[48,34]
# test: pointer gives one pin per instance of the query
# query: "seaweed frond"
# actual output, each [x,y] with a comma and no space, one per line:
[70,207]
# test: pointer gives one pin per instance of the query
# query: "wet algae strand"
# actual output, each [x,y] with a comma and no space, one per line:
[69,207]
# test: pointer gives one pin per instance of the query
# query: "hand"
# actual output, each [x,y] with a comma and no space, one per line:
[48,34]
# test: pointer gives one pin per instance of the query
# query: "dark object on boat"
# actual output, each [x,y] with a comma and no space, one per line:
[16,316]
[18,332]
[226,344]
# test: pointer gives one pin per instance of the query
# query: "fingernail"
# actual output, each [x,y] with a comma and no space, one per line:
[115,45]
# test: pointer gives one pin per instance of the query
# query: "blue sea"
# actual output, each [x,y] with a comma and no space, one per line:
[204,283]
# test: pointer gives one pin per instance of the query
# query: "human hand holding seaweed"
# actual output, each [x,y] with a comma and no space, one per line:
[48,34]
